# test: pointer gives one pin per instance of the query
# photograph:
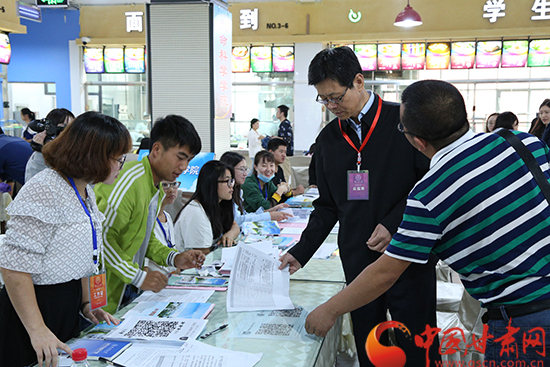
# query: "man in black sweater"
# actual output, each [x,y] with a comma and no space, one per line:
[364,137]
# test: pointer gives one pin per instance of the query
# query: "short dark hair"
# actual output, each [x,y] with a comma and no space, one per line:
[175,130]
[434,110]
[253,121]
[220,213]
[275,143]
[232,159]
[58,116]
[284,110]
[263,156]
[506,120]
[86,147]
[339,64]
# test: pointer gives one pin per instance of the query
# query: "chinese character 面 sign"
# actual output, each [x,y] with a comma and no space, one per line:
[249,19]
[222,62]
[494,9]
[134,21]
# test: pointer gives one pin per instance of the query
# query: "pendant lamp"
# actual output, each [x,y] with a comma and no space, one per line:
[408,18]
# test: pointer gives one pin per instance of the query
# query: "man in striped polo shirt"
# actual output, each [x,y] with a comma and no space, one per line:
[480,210]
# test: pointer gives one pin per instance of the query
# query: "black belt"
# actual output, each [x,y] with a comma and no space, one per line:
[495,313]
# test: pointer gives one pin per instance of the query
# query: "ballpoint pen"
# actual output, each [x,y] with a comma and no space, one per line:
[102,359]
[214,331]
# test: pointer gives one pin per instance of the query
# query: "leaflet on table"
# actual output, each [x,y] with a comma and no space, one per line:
[100,348]
[176,295]
[100,330]
[300,201]
[171,309]
[281,324]
[228,254]
[157,329]
[191,354]
[325,251]
[193,281]
[266,228]
[256,283]
[280,241]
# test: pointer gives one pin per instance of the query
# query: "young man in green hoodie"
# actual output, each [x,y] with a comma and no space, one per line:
[131,206]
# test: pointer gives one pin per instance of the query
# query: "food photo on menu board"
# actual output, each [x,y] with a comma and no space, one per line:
[413,56]
[240,59]
[539,53]
[514,54]
[367,56]
[488,54]
[389,56]
[134,60]
[438,56]
[5,49]
[93,60]
[283,59]
[260,59]
[463,55]
[114,60]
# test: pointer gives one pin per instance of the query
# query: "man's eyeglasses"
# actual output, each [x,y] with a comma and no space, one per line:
[170,185]
[121,161]
[338,100]
[401,129]
[229,182]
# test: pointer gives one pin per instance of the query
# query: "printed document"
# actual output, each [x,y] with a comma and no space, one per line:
[176,295]
[256,283]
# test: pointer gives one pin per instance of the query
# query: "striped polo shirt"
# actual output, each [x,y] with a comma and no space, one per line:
[480,210]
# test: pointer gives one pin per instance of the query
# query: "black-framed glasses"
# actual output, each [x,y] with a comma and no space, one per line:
[121,161]
[230,182]
[170,185]
[337,100]
[401,129]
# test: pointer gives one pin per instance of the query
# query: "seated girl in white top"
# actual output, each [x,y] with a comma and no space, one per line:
[206,221]
[164,227]
[238,162]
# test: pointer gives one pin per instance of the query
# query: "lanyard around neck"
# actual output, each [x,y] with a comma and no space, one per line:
[260,186]
[94,235]
[372,126]
[166,235]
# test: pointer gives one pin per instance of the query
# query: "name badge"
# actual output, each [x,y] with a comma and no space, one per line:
[358,185]
[98,290]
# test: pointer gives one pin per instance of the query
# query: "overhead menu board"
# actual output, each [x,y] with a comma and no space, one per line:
[93,60]
[389,56]
[463,55]
[539,53]
[438,55]
[260,59]
[514,54]
[367,56]
[488,54]
[283,58]
[240,59]
[114,60]
[413,56]
[134,60]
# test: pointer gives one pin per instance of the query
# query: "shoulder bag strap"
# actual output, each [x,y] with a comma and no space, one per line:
[529,160]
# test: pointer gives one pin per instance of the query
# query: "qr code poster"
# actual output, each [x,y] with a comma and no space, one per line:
[283,325]
[148,328]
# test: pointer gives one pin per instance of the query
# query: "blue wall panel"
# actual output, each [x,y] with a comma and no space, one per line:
[42,55]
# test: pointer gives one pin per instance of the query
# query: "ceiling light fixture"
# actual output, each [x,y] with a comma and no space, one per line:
[408,18]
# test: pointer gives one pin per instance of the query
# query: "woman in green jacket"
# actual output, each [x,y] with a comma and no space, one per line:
[258,190]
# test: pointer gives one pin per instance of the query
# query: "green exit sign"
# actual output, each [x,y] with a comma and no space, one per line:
[52,3]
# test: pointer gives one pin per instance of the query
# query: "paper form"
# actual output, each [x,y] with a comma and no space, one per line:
[176,295]
[256,283]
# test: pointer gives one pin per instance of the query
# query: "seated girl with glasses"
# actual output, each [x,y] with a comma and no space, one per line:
[259,190]
[238,162]
[164,226]
[207,221]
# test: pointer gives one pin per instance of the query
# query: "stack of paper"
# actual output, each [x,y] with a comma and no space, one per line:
[193,282]
[266,228]
[171,310]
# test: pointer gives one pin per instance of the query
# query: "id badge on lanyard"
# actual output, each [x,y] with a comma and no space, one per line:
[358,180]
[98,281]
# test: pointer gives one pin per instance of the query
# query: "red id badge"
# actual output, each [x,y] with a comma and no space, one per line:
[98,290]
[358,185]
